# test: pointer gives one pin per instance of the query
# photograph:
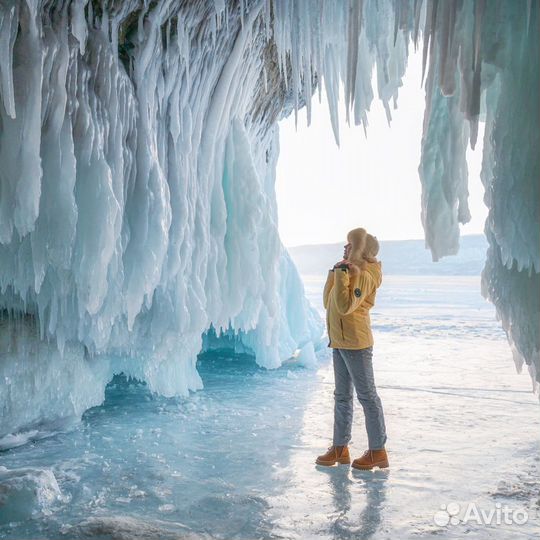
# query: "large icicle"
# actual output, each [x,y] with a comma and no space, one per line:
[488,55]
[511,175]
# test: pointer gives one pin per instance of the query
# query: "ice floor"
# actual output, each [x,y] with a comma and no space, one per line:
[236,460]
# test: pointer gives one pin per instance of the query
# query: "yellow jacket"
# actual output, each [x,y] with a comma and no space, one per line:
[347,300]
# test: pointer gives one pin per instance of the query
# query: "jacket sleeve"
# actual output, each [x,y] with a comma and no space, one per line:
[351,292]
[328,287]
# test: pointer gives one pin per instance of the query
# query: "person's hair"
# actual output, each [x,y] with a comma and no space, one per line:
[364,247]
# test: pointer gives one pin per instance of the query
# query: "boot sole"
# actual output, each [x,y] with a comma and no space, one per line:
[330,463]
[381,465]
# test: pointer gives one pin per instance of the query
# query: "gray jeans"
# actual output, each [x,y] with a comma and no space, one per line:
[353,369]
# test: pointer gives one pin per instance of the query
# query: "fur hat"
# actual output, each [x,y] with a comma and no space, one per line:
[372,246]
[364,247]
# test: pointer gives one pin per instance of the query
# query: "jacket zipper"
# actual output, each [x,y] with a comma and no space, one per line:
[342,333]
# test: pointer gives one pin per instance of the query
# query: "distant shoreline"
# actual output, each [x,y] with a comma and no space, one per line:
[298,246]
[400,257]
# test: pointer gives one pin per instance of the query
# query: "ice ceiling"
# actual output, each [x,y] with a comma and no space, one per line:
[138,146]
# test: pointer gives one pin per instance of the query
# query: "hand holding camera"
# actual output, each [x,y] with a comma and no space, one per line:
[344,264]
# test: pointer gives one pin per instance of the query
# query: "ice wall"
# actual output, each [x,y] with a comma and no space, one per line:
[137,208]
[138,144]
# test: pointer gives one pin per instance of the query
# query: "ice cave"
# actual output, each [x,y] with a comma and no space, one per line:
[138,151]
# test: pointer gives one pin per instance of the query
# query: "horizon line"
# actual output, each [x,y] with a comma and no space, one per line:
[382,241]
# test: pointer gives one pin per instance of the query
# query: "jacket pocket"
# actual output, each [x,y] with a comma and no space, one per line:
[342,332]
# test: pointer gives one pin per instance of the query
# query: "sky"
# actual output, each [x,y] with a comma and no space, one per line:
[324,191]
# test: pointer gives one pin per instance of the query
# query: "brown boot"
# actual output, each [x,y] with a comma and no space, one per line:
[370,459]
[335,454]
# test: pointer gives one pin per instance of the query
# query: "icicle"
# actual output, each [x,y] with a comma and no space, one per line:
[447,67]
[219,8]
[478,16]
[431,18]
[8,33]
[268,19]
[418,4]
[397,14]
[474,92]
[79,28]
[355,15]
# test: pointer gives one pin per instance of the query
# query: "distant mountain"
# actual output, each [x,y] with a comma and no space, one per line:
[401,257]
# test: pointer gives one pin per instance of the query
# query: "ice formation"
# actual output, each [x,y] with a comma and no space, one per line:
[138,144]
[27,493]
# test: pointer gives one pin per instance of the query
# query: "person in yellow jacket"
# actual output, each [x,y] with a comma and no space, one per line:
[349,294]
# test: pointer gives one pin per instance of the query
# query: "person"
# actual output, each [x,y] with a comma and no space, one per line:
[349,294]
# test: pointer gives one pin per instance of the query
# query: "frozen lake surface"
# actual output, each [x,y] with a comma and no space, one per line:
[236,459]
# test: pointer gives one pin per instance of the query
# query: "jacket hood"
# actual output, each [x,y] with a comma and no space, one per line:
[375,269]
